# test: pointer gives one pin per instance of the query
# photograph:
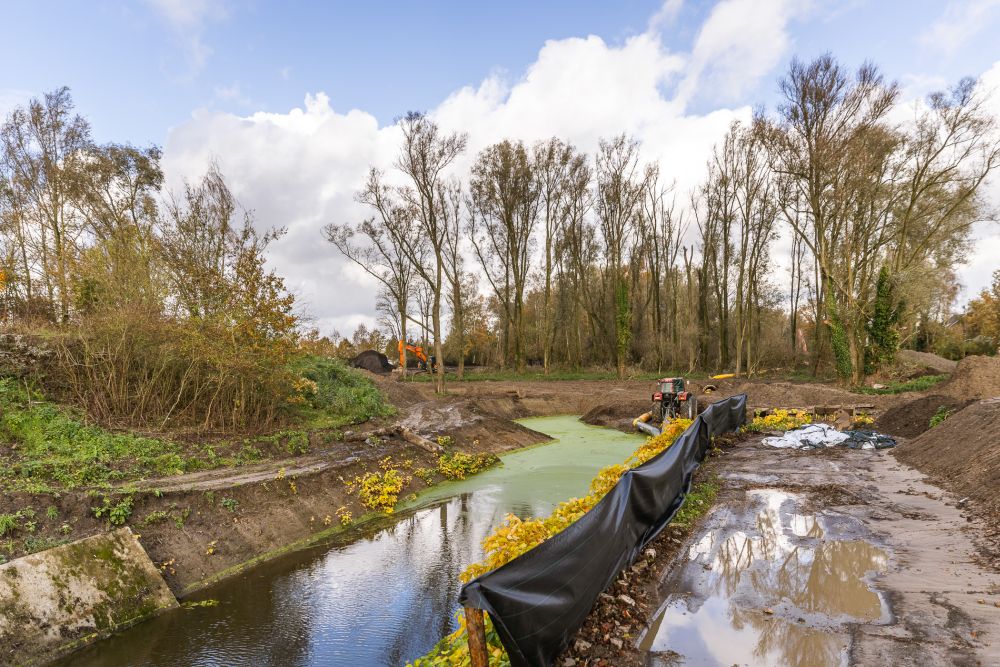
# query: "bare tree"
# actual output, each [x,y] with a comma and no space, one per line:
[620,188]
[504,207]
[389,244]
[425,155]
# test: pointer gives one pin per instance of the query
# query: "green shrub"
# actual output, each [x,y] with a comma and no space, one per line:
[337,395]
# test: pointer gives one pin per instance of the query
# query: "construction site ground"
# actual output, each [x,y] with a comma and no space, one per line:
[940,586]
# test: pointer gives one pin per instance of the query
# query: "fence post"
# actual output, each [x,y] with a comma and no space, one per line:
[475,627]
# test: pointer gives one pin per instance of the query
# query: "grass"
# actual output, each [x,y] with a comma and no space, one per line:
[56,449]
[46,447]
[697,501]
[554,375]
[341,396]
[898,387]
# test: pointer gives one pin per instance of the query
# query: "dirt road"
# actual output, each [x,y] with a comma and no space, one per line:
[822,557]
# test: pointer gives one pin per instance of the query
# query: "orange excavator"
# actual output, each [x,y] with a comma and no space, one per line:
[425,362]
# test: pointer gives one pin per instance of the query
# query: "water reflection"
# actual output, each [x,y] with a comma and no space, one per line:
[768,587]
[378,600]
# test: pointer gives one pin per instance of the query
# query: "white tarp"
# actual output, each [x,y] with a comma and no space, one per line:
[813,435]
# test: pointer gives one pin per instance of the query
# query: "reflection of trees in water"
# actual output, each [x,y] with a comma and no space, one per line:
[779,559]
[437,551]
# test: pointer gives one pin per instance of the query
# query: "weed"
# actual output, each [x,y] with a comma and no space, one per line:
[458,465]
[230,504]
[117,513]
[344,515]
[52,512]
[939,416]
[379,491]
[445,441]
[156,516]
[426,474]
[200,604]
[8,523]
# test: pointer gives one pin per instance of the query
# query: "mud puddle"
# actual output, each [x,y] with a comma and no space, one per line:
[769,584]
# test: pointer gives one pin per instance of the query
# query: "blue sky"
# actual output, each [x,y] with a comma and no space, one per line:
[138,69]
[295,100]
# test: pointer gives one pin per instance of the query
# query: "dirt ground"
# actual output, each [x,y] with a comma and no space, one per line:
[940,585]
[940,604]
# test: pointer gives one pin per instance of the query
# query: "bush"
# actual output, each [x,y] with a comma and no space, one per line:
[336,395]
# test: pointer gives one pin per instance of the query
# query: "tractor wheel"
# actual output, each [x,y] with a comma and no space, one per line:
[690,410]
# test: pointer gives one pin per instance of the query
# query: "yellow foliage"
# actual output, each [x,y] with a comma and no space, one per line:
[516,536]
[380,491]
[458,465]
[779,420]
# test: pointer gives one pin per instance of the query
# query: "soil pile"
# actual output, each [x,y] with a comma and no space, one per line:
[372,360]
[962,454]
[617,415]
[913,418]
[925,360]
[974,377]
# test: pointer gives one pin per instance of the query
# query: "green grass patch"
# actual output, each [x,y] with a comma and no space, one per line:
[554,375]
[54,448]
[337,395]
[898,387]
[698,501]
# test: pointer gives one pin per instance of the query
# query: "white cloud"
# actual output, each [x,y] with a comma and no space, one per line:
[959,22]
[300,169]
[740,42]
[187,20]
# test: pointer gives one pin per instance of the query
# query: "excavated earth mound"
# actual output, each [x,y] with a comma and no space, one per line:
[926,360]
[974,377]
[372,360]
[962,454]
[913,418]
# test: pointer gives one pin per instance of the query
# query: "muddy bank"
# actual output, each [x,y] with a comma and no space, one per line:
[936,602]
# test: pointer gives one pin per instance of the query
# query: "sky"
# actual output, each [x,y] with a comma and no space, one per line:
[295,100]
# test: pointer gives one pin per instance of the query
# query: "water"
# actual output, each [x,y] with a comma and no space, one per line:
[770,585]
[376,596]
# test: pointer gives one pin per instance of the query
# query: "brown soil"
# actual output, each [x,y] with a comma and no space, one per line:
[910,419]
[943,605]
[911,360]
[974,377]
[962,454]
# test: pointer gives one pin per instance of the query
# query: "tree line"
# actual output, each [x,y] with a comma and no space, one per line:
[545,254]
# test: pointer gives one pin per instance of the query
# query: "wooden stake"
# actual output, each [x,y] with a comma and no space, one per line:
[475,627]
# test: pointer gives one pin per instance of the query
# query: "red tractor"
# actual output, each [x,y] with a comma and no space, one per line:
[672,400]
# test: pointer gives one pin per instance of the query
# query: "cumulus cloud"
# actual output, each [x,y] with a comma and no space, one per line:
[300,169]
[740,42]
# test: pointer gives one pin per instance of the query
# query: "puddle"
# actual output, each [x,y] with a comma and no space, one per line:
[769,585]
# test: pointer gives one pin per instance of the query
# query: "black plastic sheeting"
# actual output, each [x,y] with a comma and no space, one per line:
[540,599]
